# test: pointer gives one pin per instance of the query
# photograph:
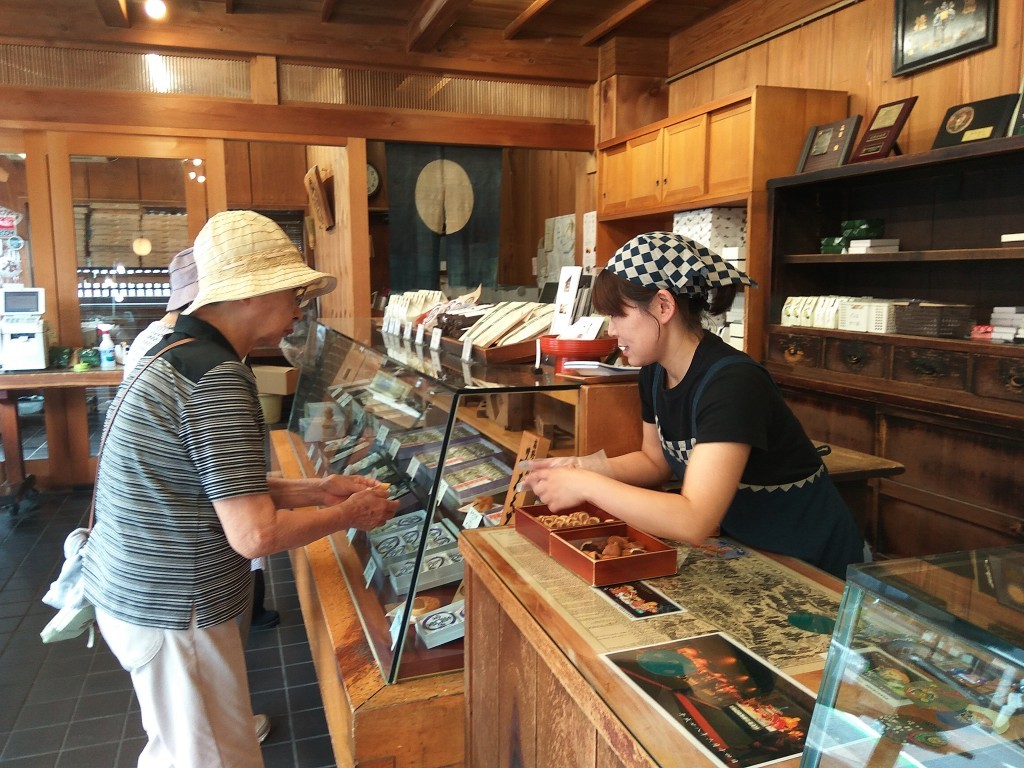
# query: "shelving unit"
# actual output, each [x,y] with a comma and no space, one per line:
[950,409]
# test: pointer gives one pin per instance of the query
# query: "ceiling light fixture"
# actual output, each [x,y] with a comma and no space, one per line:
[156,9]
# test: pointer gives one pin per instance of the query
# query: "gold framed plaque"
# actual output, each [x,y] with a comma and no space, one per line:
[828,146]
[879,138]
[975,121]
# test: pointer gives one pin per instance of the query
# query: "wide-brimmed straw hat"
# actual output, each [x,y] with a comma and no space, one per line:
[241,255]
[183,280]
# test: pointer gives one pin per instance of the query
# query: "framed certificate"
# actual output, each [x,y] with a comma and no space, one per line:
[828,146]
[880,137]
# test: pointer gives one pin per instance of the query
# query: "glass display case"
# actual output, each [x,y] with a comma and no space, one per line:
[926,665]
[444,434]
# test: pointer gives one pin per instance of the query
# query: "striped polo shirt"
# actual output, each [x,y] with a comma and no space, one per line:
[190,431]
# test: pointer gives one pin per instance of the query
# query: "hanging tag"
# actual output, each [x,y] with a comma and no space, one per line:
[420,330]
[369,572]
[435,339]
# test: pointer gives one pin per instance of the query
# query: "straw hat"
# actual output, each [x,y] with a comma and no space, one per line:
[241,255]
[183,279]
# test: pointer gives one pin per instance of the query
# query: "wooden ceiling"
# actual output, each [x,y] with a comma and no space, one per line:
[522,39]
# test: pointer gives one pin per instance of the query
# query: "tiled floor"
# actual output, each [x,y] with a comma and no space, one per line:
[64,705]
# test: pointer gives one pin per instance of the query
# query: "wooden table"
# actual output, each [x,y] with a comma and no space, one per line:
[538,691]
[11,385]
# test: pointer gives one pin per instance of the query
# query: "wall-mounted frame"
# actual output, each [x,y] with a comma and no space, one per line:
[928,32]
[828,146]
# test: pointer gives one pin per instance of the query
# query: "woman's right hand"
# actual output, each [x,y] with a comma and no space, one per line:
[369,508]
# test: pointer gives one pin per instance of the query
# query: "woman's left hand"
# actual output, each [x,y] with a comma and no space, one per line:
[559,488]
[337,488]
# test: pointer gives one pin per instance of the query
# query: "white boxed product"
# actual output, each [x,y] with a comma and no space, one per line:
[482,477]
[854,315]
[717,228]
[882,316]
[789,310]
[735,255]
[400,544]
[436,569]
[826,313]
[442,625]
[806,318]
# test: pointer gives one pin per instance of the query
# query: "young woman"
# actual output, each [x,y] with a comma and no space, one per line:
[713,418]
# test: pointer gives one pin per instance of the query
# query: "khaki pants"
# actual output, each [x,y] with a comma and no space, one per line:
[193,692]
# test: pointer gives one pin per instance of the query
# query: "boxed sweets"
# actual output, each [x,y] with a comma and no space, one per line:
[612,553]
[536,522]
[424,464]
[438,567]
[442,625]
[402,543]
[404,446]
[465,482]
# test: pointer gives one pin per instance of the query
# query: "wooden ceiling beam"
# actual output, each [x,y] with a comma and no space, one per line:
[524,18]
[430,21]
[198,116]
[114,13]
[616,20]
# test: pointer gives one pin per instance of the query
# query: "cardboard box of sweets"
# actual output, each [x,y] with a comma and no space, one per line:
[442,625]
[657,559]
[528,521]
[481,477]
[437,568]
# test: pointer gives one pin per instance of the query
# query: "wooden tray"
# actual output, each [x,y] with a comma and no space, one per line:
[524,351]
[529,526]
[658,560]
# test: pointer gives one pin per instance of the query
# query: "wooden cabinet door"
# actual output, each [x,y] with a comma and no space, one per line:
[613,179]
[684,160]
[730,138]
[644,170]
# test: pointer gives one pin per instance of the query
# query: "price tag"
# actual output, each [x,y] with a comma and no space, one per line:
[473,519]
[420,331]
[319,464]
[407,334]
[414,468]
[310,450]
[467,350]
[396,627]
[435,339]
[369,572]
[442,491]
[382,433]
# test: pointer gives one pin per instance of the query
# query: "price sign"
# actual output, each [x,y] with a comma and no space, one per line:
[435,339]
[420,330]
[467,350]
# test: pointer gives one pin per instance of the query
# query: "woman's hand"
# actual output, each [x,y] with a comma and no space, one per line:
[337,488]
[559,488]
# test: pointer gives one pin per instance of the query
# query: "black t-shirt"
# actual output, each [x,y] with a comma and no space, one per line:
[740,404]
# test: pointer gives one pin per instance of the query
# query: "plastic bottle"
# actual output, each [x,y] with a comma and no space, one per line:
[107,360]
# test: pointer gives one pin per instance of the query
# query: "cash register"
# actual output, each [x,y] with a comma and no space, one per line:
[23,332]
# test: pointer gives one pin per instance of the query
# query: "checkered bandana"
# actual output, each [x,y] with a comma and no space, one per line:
[676,263]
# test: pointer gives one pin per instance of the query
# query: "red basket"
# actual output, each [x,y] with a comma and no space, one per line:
[577,349]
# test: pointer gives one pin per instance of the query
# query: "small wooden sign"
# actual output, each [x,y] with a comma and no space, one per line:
[976,120]
[531,446]
[828,146]
[318,199]
[884,128]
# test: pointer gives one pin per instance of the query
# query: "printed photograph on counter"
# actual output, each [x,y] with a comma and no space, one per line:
[740,710]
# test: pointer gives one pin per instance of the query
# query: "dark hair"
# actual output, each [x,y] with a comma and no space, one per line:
[612,294]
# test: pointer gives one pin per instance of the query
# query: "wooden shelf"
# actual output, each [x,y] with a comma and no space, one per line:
[905,340]
[957,254]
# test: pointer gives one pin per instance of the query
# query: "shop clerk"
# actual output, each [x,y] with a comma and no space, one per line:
[713,418]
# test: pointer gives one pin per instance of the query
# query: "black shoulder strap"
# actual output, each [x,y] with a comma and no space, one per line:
[706,379]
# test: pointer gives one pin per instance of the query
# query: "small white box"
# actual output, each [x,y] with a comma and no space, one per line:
[442,625]
[854,316]
[437,568]
[806,318]
[790,309]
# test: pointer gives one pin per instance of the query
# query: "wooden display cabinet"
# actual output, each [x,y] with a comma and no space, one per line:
[362,403]
[950,409]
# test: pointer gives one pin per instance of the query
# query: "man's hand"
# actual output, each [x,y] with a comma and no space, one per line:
[366,509]
[338,488]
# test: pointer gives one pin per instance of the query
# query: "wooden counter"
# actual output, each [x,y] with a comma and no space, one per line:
[539,693]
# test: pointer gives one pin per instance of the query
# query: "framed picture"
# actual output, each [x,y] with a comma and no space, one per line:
[828,146]
[928,32]
[879,138]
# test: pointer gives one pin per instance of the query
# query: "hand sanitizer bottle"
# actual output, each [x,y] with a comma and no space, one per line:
[107,360]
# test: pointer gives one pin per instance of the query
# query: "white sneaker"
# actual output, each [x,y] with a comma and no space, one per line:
[262,727]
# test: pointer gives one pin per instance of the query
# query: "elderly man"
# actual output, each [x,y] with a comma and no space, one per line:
[183,501]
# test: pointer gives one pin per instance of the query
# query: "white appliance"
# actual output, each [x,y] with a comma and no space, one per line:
[22,328]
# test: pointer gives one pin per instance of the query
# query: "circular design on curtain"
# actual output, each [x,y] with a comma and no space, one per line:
[444,196]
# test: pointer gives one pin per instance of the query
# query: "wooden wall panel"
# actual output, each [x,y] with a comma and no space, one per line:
[161,181]
[851,50]
[114,180]
[277,171]
[238,176]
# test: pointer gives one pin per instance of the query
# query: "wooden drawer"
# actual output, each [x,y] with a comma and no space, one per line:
[1000,377]
[931,367]
[795,349]
[857,356]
